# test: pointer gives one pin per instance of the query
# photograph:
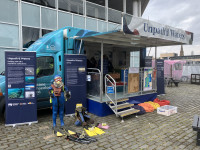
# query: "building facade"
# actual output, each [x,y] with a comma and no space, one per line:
[22,22]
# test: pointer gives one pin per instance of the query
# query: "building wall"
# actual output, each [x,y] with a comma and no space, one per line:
[168,55]
[24,21]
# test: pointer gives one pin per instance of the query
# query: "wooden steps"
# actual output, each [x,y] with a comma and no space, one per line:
[120,100]
[127,112]
[122,106]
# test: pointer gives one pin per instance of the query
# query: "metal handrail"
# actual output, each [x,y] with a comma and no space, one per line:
[94,69]
[113,82]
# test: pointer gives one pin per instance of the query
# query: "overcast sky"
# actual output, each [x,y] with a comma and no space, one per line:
[184,14]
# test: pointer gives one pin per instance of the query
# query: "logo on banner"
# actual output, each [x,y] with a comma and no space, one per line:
[23,104]
[10,104]
[30,103]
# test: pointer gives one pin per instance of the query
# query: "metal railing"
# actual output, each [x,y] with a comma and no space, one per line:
[110,82]
[114,15]
[93,86]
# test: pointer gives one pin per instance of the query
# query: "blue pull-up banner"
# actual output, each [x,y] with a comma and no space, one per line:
[160,77]
[75,80]
[20,71]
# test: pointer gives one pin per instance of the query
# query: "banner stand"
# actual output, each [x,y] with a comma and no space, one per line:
[14,125]
[20,88]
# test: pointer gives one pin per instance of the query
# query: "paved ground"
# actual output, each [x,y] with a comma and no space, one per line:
[149,131]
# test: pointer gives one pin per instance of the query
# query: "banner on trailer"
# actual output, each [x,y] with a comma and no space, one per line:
[160,77]
[21,103]
[148,79]
[143,27]
[75,80]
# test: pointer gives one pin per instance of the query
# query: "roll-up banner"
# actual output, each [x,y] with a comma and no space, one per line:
[75,80]
[160,77]
[147,28]
[21,103]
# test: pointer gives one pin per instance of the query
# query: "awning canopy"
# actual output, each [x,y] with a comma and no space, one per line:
[142,33]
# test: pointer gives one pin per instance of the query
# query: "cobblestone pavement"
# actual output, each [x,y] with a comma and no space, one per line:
[148,131]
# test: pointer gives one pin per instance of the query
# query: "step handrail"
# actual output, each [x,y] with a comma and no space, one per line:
[113,82]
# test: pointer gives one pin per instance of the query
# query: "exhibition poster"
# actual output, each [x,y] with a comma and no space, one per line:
[148,79]
[160,76]
[75,80]
[21,103]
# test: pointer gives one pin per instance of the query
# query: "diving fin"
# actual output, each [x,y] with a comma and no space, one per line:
[58,132]
[78,137]
[90,132]
[71,132]
[98,131]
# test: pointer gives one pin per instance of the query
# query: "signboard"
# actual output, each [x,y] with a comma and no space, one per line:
[160,77]
[75,80]
[148,79]
[21,103]
[147,28]
[110,89]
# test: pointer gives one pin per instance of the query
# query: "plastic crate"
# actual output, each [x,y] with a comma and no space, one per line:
[167,110]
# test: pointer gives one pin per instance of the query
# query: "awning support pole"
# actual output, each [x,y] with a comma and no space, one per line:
[101,76]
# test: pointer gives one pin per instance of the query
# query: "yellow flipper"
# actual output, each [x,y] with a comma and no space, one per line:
[98,131]
[59,134]
[90,132]
[71,132]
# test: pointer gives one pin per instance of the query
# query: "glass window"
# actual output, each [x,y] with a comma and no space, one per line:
[177,66]
[114,16]
[64,19]
[79,22]
[91,24]
[100,2]
[94,10]
[30,15]
[9,11]
[49,18]
[2,59]
[45,31]
[9,35]
[45,66]
[75,6]
[135,59]
[116,4]
[102,26]
[129,6]
[47,3]
[30,35]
